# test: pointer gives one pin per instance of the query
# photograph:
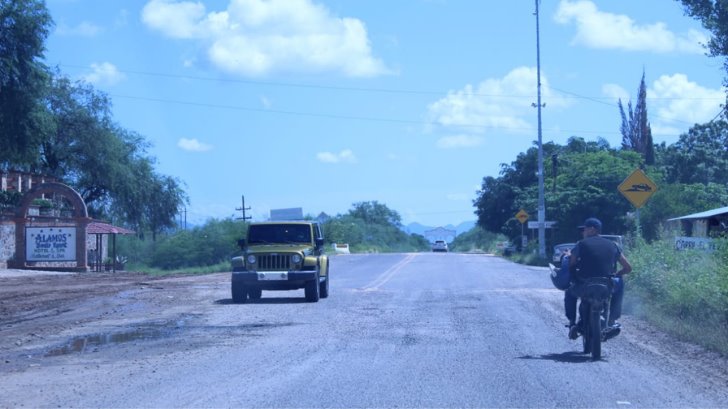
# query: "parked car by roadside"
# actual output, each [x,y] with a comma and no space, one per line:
[559,251]
[619,240]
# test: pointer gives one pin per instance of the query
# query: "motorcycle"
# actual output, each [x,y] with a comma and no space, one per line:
[594,310]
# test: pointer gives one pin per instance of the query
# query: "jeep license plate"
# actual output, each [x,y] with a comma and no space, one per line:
[272,275]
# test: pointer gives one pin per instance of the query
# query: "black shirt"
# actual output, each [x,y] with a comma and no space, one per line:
[596,257]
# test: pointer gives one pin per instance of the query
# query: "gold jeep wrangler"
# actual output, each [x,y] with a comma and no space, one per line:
[281,256]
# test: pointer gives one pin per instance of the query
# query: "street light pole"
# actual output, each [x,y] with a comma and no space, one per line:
[541,205]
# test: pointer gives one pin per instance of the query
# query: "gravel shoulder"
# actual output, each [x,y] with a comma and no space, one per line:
[40,310]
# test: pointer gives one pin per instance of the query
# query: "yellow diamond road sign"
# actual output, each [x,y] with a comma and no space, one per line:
[637,188]
[522,216]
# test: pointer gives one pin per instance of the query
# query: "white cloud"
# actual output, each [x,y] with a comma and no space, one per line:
[104,73]
[616,92]
[345,156]
[193,145]
[266,102]
[459,141]
[673,101]
[174,19]
[502,103]
[83,29]
[256,37]
[598,29]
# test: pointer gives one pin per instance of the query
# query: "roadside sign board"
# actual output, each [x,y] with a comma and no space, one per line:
[637,188]
[294,213]
[546,225]
[522,216]
[50,243]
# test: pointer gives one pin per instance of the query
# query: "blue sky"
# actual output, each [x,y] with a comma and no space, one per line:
[323,103]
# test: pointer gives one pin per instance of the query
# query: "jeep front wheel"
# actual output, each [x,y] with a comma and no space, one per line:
[255,293]
[312,290]
[324,288]
[240,292]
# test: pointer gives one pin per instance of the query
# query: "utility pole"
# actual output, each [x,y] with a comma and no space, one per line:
[541,204]
[243,209]
[181,213]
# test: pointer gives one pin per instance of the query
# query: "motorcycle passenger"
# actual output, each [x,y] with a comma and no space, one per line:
[594,256]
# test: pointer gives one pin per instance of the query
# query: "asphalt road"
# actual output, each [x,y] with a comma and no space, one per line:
[398,330]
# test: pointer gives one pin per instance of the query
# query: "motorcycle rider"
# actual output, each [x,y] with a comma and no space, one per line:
[594,256]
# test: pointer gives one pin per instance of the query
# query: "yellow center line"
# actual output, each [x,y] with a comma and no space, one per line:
[387,275]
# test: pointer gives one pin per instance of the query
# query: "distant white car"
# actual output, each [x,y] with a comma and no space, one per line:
[439,245]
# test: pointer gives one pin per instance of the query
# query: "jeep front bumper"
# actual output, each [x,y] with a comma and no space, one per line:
[261,277]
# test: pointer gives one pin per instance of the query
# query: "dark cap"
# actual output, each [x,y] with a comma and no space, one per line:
[593,222]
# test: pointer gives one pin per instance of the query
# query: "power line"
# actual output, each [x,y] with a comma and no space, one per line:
[312,114]
[300,85]
[600,100]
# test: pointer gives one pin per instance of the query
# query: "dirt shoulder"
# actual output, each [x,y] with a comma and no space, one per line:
[38,308]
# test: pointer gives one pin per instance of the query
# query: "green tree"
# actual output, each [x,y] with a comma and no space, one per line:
[372,226]
[589,184]
[165,196]
[374,212]
[24,26]
[699,156]
[713,14]
[635,129]
[678,199]
[586,185]
[213,243]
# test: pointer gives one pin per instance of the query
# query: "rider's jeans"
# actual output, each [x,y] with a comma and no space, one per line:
[615,309]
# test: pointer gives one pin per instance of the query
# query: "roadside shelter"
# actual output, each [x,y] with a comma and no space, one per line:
[99,229]
[710,223]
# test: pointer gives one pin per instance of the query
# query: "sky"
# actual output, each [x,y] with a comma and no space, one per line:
[321,104]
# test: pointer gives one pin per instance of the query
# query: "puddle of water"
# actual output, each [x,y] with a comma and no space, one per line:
[88,343]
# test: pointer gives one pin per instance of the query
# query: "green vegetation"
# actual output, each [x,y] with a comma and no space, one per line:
[691,174]
[198,249]
[54,126]
[371,227]
[684,292]
[713,15]
[477,240]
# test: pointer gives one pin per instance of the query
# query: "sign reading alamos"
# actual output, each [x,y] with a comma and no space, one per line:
[637,188]
[50,243]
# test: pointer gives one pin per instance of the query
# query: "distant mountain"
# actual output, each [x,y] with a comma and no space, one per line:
[420,229]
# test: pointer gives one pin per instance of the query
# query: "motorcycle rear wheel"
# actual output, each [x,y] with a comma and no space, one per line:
[595,329]
[586,335]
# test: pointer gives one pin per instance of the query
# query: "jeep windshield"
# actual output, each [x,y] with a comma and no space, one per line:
[279,234]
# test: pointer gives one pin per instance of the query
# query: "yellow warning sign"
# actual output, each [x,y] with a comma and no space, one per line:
[637,188]
[522,216]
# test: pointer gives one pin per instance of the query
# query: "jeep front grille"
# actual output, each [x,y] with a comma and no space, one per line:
[274,262]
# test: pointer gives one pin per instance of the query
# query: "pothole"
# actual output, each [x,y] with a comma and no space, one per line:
[155,331]
[89,342]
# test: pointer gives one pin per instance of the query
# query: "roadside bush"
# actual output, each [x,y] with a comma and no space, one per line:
[209,245]
[684,292]
[477,239]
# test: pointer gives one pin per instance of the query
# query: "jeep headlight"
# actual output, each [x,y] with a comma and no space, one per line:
[251,259]
[296,259]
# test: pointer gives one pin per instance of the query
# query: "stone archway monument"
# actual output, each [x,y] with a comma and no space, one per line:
[54,239]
